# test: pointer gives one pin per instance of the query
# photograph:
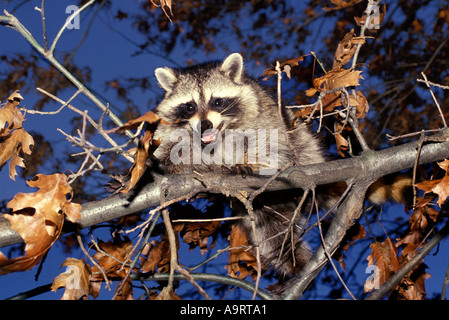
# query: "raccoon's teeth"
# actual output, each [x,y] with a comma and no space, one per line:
[209,136]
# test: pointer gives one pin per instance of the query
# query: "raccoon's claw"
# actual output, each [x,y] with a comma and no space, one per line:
[238,169]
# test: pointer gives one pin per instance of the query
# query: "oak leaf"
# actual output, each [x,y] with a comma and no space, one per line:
[341,4]
[38,218]
[14,140]
[241,262]
[157,253]
[112,257]
[438,186]
[10,116]
[346,49]
[384,257]
[75,280]
[197,234]
[335,79]
[148,117]
[165,294]
[285,66]
[146,146]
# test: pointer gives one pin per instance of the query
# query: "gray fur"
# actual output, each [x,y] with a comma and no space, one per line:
[251,108]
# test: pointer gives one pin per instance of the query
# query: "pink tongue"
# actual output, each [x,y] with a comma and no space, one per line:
[210,136]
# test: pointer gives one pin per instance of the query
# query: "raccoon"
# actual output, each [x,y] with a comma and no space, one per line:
[211,101]
[207,105]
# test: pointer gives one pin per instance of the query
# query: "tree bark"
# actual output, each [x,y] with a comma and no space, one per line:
[369,166]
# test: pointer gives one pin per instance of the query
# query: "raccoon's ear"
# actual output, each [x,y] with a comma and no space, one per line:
[232,66]
[166,77]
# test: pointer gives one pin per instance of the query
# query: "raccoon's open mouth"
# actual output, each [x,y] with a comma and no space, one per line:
[210,135]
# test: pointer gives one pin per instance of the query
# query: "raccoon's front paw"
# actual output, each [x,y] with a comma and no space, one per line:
[238,169]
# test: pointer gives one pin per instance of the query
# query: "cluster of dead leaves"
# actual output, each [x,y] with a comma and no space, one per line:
[146,146]
[437,188]
[38,218]
[242,262]
[331,87]
[14,140]
[332,97]
[81,280]
[386,255]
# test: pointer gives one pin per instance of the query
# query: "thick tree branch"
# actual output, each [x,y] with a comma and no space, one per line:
[348,212]
[368,167]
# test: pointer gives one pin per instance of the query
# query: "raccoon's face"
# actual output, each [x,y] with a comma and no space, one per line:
[206,99]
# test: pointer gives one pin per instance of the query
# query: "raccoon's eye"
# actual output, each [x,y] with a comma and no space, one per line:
[188,108]
[218,102]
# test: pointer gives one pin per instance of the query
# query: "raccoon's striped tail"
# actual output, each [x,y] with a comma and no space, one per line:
[394,187]
[391,188]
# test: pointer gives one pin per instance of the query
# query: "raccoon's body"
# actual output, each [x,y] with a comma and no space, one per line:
[212,100]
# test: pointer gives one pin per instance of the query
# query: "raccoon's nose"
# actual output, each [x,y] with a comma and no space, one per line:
[204,125]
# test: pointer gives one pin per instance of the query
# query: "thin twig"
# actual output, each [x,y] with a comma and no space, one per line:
[434,99]
[290,228]
[189,278]
[329,257]
[67,22]
[14,23]
[80,242]
[98,128]
[280,111]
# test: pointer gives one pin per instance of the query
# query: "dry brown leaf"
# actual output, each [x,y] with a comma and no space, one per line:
[158,253]
[75,280]
[346,49]
[285,66]
[335,79]
[384,256]
[197,234]
[342,78]
[241,262]
[14,140]
[10,116]
[411,287]
[165,294]
[379,18]
[146,147]
[438,186]
[444,165]
[149,117]
[113,256]
[341,4]
[331,101]
[163,4]
[138,168]
[38,218]
[411,242]
[111,259]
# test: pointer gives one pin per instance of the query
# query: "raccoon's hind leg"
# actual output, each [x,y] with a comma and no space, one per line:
[280,247]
